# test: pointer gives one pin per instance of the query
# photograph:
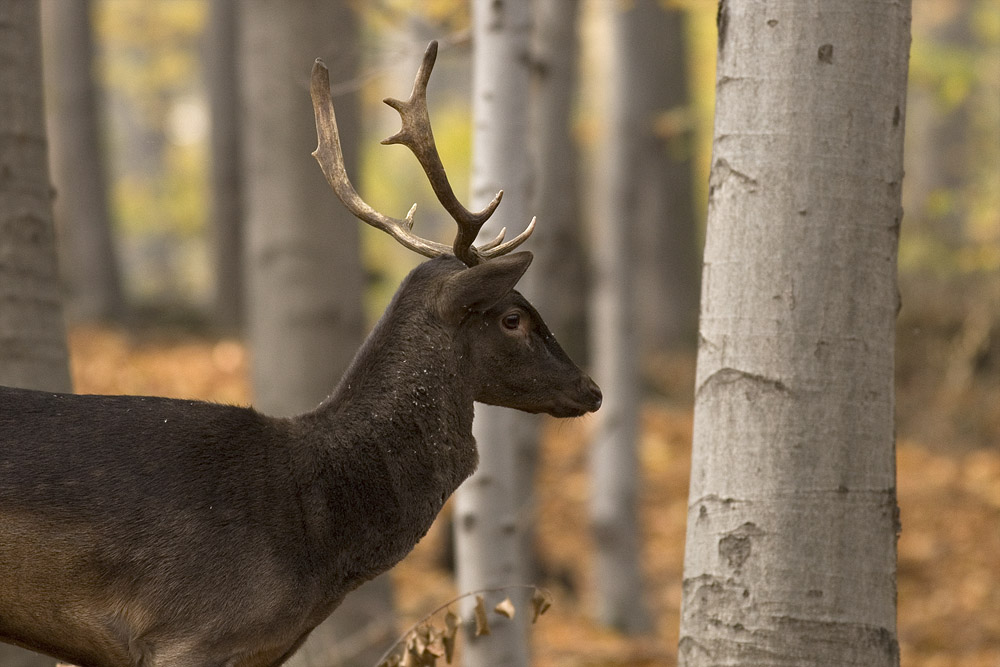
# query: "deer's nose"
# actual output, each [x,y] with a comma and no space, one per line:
[594,392]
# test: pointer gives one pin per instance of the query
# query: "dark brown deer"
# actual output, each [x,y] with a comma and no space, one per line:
[154,532]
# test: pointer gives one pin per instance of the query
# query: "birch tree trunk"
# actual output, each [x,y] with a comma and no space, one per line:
[487,510]
[556,285]
[88,255]
[791,541]
[32,336]
[614,468]
[304,310]
[222,74]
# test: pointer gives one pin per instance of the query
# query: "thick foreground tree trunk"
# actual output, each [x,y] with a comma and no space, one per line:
[792,524]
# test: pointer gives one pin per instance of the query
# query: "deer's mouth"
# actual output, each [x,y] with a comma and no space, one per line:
[586,398]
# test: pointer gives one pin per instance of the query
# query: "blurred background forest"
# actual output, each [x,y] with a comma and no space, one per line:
[167,332]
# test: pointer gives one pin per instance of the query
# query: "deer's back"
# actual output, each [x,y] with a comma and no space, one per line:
[74,457]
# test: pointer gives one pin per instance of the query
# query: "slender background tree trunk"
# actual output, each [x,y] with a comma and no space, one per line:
[489,514]
[558,280]
[791,541]
[88,254]
[304,316]
[556,283]
[222,74]
[32,336]
[614,466]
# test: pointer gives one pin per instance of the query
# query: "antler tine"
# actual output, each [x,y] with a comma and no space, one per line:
[494,248]
[330,156]
[415,133]
[492,243]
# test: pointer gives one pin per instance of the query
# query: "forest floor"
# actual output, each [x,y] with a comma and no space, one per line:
[948,487]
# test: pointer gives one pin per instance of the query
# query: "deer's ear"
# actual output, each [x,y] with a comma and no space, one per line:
[480,287]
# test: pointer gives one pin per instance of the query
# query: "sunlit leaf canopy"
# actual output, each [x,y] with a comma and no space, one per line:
[149,62]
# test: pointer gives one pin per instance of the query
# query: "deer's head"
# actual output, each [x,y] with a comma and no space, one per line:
[509,355]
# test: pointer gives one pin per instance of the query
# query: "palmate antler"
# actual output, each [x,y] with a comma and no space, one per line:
[416,135]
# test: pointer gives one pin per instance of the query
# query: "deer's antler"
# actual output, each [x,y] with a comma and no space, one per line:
[331,160]
[416,135]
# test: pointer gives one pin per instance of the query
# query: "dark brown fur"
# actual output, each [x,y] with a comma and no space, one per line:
[145,532]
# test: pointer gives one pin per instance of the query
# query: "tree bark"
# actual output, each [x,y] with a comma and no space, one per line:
[791,541]
[488,511]
[304,314]
[33,350]
[614,468]
[87,247]
[556,284]
[32,334]
[222,73]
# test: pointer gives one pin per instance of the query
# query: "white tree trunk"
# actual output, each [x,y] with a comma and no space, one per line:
[792,522]
[488,511]
[557,276]
[32,336]
[88,256]
[614,468]
[304,317]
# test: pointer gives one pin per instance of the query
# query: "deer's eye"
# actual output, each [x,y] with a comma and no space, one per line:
[511,321]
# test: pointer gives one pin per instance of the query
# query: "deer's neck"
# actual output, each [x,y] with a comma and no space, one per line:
[395,440]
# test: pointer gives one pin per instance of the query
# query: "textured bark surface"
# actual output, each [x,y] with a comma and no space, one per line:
[304,314]
[88,255]
[488,509]
[614,465]
[32,335]
[792,523]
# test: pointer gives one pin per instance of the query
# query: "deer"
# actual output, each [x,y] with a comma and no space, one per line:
[156,532]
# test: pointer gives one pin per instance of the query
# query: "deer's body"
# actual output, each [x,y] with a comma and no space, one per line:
[128,523]
[152,532]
